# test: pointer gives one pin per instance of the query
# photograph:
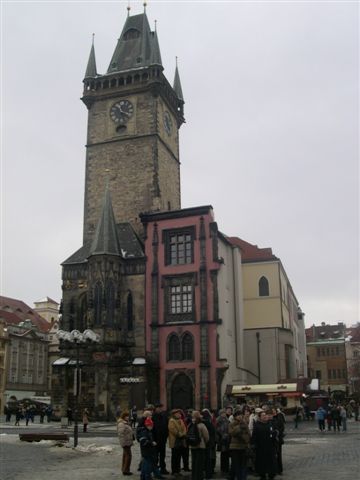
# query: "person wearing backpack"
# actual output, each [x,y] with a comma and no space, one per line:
[197,438]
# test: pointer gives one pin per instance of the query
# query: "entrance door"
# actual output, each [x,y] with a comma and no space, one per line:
[182,392]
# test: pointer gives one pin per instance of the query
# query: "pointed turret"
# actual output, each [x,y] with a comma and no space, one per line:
[177,84]
[91,66]
[137,46]
[106,240]
[156,55]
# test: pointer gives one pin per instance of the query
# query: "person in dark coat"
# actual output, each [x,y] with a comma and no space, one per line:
[210,450]
[222,429]
[148,451]
[265,440]
[160,433]
[278,423]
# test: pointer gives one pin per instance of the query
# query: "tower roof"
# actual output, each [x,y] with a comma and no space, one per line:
[177,84]
[106,240]
[137,46]
[91,66]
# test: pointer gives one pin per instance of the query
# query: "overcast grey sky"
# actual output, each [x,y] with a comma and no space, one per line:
[270,140]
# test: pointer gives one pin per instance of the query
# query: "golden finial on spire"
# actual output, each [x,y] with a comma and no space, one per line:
[145,4]
[93,38]
[128,8]
[176,59]
[155,24]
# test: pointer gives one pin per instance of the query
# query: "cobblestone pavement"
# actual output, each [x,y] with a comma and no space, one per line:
[306,453]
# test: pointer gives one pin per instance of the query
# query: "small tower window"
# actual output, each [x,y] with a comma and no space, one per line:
[98,303]
[263,287]
[130,312]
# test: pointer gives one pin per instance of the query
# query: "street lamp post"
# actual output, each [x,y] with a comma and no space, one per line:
[77,338]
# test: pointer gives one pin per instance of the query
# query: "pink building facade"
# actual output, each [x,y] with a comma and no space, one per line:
[186,364]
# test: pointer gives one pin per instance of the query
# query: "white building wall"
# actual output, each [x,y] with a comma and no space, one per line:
[230,291]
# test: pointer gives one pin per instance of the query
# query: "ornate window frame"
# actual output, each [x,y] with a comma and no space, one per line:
[167,240]
[188,279]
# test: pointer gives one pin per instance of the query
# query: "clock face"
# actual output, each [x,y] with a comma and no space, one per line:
[167,122]
[121,111]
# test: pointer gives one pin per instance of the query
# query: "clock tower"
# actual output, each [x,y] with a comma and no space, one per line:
[132,167]
[134,116]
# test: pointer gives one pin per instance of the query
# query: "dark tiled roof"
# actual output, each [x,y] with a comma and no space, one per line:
[14,311]
[130,246]
[250,252]
[137,46]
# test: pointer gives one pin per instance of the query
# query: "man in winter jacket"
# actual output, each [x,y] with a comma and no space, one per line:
[160,434]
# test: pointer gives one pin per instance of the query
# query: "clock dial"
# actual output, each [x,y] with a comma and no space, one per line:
[167,122]
[121,111]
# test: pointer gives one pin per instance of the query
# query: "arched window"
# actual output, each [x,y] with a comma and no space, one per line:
[187,345]
[263,287]
[110,302]
[97,303]
[130,312]
[174,348]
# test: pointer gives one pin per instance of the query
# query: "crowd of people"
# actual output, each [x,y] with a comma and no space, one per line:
[334,416]
[247,438]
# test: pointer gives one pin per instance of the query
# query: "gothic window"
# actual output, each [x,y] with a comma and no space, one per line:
[98,303]
[179,246]
[173,348]
[130,312]
[187,347]
[110,303]
[263,287]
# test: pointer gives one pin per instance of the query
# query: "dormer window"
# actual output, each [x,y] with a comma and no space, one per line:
[131,34]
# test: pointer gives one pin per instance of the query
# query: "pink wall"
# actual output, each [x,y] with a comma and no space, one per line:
[193,328]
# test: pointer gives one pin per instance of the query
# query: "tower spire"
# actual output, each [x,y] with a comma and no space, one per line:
[106,240]
[177,84]
[91,65]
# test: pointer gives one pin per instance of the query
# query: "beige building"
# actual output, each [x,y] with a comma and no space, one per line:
[274,332]
[47,308]
[24,338]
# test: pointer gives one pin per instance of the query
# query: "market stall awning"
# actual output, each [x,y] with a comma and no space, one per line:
[277,388]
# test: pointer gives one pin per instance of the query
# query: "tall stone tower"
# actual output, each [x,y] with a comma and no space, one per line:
[133,130]
[132,167]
